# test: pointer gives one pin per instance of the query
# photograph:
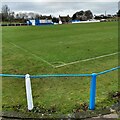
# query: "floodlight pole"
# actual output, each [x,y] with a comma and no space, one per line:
[28,92]
[92,92]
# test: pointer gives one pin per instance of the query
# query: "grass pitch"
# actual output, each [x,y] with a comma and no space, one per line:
[39,49]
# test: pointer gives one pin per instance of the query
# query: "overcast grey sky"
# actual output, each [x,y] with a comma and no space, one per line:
[57,8]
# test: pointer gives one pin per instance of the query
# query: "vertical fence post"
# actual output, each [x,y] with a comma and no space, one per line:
[28,92]
[92,92]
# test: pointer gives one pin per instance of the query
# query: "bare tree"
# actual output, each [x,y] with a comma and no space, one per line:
[11,16]
[5,12]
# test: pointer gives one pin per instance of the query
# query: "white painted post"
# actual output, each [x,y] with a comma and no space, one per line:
[28,92]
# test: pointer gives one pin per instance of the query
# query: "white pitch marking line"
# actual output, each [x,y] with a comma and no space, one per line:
[32,54]
[86,60]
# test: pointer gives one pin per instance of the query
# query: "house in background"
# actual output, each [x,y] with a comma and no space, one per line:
[41,20]
[64,19]
[45,19]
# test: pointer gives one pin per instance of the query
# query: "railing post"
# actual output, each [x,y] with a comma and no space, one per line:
[28,92]
[92,92]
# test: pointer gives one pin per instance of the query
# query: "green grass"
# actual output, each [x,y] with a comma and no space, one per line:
[26,48]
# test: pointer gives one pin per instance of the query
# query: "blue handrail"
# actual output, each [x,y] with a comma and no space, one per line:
[59,75]
[106,71]
[92,86]
[12,75]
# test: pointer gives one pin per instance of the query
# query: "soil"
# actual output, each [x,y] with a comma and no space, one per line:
[82,112]
[112,112]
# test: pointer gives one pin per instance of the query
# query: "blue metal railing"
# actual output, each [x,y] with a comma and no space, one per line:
[92,85]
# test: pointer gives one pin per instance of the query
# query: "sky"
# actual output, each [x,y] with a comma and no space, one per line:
[62,7]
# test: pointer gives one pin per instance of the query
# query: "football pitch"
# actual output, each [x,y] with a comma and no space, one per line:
[72,48]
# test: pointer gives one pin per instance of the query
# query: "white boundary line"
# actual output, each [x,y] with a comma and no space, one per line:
[86,60]
[32,54]
[64,64]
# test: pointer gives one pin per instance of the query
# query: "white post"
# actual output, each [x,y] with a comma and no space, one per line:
[28,92]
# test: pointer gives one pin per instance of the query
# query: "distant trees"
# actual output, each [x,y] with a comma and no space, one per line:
[5,12]
[0,17]
[55,20]
[74,17]
[118,13]
[10,16]
[88,14]
[37,16]
[82,15]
